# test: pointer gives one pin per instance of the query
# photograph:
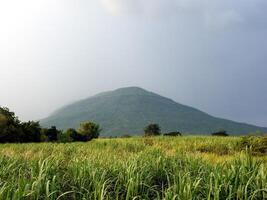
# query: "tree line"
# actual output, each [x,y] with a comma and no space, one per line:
[12,130]
[155,130]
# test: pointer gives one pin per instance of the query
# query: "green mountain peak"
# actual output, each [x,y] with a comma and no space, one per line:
[128,110]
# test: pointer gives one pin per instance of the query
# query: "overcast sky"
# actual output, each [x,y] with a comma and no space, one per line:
[210,54]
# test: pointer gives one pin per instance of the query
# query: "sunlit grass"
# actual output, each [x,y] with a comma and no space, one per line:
[133,168]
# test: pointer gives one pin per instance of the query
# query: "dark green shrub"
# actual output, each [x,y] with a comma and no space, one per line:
[221,133]
[51,134]
[152,130]
[177,133]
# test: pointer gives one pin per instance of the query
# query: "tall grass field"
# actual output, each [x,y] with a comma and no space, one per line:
[169,168]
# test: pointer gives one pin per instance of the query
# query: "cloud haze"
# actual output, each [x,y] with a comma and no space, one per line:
[208,54]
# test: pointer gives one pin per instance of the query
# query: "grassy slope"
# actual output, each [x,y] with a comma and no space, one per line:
[129,110]
[135,168]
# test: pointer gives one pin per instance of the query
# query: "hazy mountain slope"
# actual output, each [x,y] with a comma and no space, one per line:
[129,110]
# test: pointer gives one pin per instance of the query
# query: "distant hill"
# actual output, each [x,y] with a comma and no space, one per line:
[129,110]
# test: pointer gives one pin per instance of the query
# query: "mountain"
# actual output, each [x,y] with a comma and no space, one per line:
[129,110]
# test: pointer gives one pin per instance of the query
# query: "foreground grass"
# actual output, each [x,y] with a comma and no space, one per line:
[135,168]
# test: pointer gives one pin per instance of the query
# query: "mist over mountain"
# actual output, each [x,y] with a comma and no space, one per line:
[129,110]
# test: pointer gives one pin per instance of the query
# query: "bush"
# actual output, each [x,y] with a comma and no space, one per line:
[51,134]
[152,130]
[173,134]
[221,133]
[88,131]
[67,136]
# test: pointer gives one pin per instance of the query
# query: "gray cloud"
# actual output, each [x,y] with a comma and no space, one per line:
[213,14]
[208,54]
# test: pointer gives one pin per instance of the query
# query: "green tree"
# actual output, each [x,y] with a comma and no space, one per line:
[88,131]
[64,137]
[10,127]
[69,135]
[50,134]
[152,130]
[31,131]
[3,119]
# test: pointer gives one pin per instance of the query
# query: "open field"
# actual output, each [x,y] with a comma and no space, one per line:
[134,168]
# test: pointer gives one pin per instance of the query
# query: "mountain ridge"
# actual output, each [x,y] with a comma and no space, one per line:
[128,110]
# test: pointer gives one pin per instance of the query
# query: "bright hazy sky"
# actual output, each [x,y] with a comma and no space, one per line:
[210,54]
